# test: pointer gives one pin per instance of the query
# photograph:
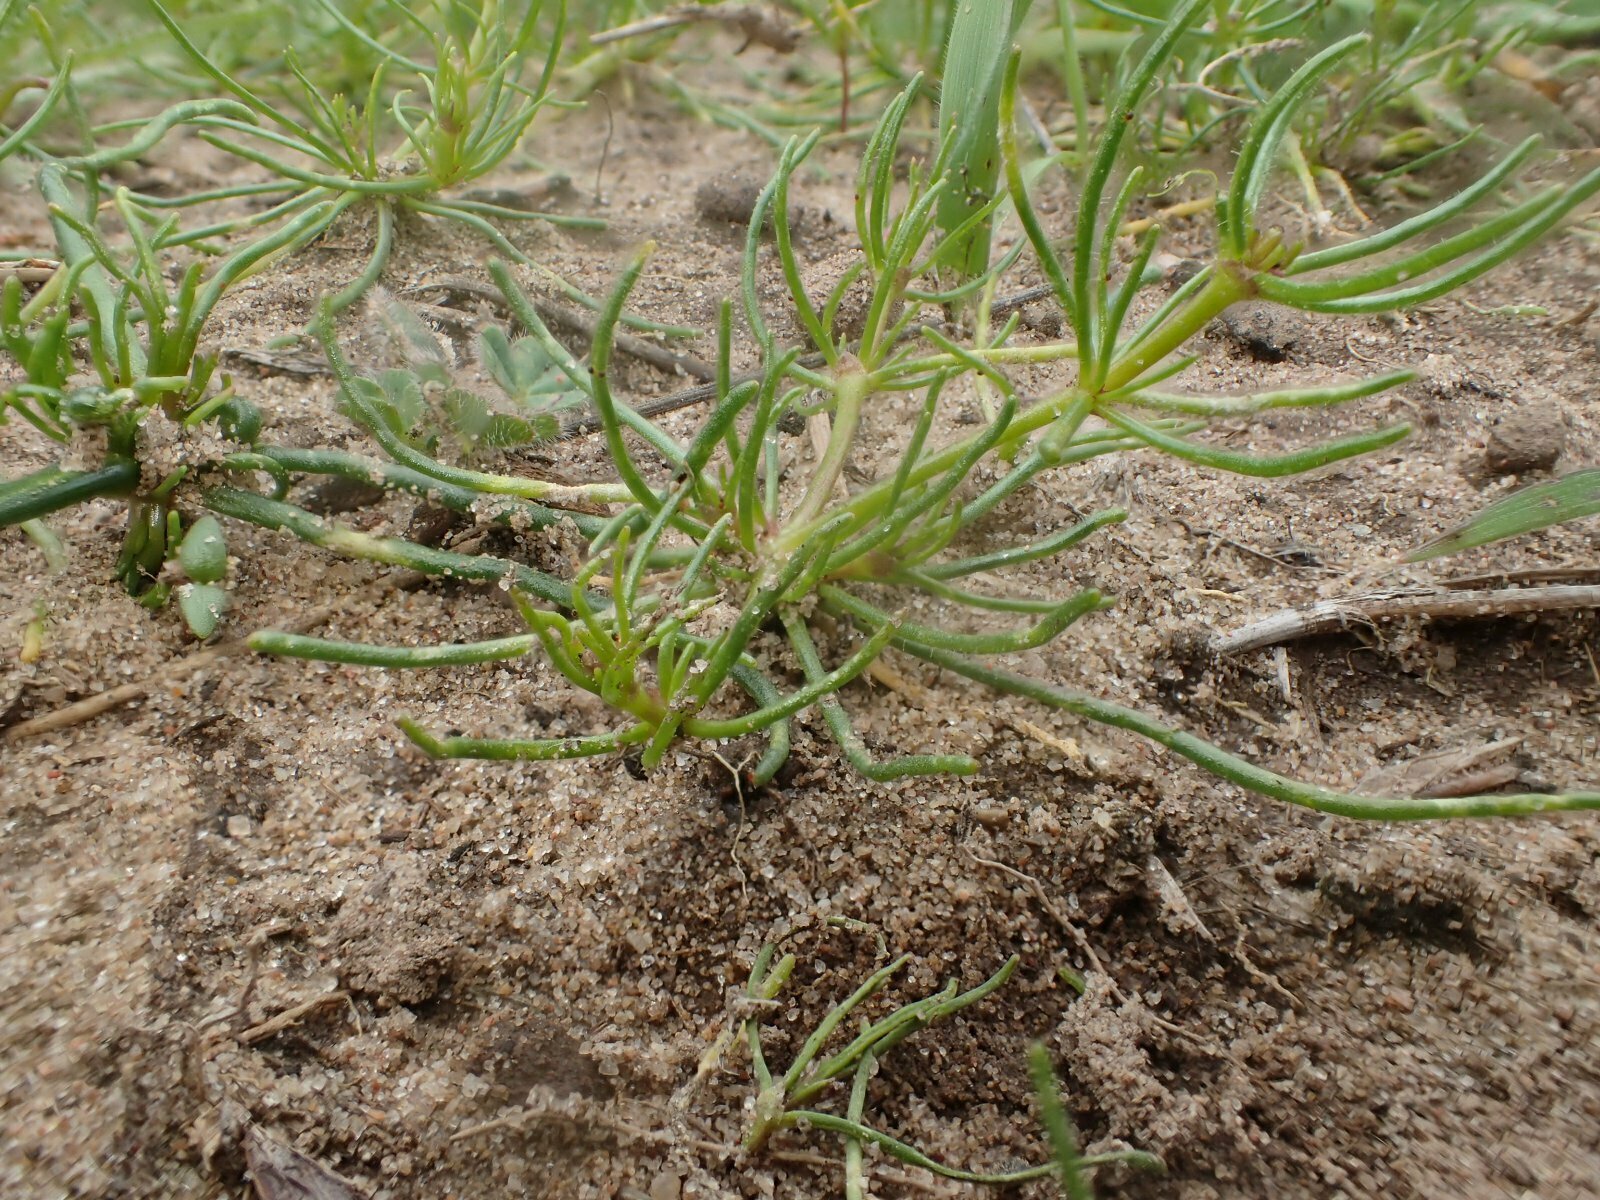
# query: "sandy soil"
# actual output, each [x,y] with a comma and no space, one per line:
[240,907]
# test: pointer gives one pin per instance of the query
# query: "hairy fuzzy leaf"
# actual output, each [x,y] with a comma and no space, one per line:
[413,338]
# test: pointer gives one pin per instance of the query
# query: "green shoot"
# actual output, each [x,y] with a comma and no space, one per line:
[784,1101]
[404,151]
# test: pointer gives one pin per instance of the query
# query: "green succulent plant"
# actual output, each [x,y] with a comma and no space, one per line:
[669,620]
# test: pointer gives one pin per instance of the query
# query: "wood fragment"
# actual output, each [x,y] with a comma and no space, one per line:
[93,706]
[918,696]
[1524,577]
[280,1172]
[1288,554]
[1579,317]
[1280,665]
[583,326]
[1330,616]
[757,25]
[278,362]
[1454,771]
[289,1016]
[1067,748]
[1177,914]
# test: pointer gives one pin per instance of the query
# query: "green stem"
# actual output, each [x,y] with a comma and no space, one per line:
[1227,286]
[1248,775]
[156,129]
[760,689]
[910,1154]
[275,514]
[54,488]
[844,733]
[599,374]
[1058,1126]
[362,469]
[850,390]
[1013,555]
[537,750]
[290,645]
[362,283]
[1263,466]
[874,500]
[793,703]
[837,600]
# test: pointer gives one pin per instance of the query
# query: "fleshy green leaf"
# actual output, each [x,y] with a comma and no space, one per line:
[202,605]
[401,401]
[203,553]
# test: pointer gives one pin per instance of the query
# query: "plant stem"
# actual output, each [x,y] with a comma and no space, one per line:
[1247,774]
[53,488]
[850,391]
[1227,286]
[275,514]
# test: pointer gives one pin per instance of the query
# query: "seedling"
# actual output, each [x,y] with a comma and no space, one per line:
[1071,1166]
[425,403]
[1418,59]
[784,1101]
[142,339]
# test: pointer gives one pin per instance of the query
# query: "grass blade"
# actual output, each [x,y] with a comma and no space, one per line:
[1533,508]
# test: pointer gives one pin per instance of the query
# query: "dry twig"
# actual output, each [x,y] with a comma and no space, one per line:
[575,323]
[93,706]
[288,1017]
[758,25]
[1455,771]
[1328,616]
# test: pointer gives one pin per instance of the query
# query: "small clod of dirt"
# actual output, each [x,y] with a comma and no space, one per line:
[389,940]
[729,199]
[1266,332]
[1528,439]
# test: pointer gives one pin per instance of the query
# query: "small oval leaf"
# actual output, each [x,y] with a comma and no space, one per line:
[202,605]
[203,554]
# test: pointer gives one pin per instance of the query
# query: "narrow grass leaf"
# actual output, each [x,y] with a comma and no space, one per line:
[1533,508]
